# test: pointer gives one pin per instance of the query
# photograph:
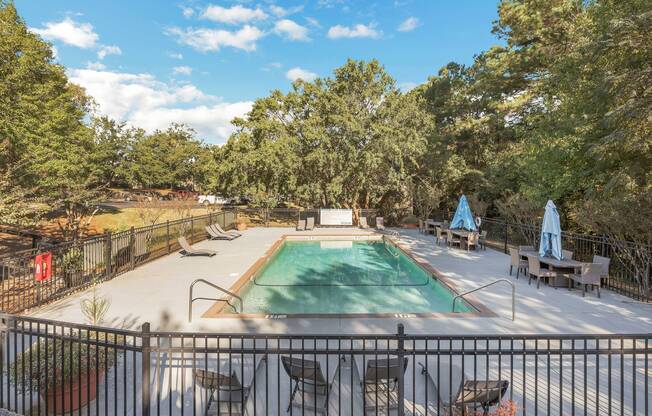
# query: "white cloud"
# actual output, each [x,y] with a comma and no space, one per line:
[214,39]
[279,11]
[174,55]
[407,86]
[300,73]
[357,31]
[409,24]
[187,12]
[233,15]
[143,101]
[313,22]
[97,66]
[291,30]
[70,32]
[108,50]
[183,70]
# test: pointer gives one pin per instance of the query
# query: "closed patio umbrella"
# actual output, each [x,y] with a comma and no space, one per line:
[463,217]
[550,244]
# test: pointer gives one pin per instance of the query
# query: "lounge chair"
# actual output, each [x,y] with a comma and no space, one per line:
[482,241]
[310,223]
[215,235]
[515,261]
[456,390]
[440,235]
[234,233]
[604,274]
[567,254]
[380,383]
[225,394]
[380,224]
[301,225]
[309,382]
[534,269]
[363,223]
[589,275]
[189,251]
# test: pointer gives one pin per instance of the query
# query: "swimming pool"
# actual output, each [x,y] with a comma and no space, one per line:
[339,276]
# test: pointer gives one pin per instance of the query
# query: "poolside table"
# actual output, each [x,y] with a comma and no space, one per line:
[431,224]
[561,267]
[462,234]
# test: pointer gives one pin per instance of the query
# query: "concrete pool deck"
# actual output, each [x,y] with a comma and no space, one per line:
[157,292]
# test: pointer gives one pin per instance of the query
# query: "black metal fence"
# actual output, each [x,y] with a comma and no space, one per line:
[75,265]
[625,262]
[50,367]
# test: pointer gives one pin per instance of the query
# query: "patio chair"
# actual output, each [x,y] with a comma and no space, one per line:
[301,225]
[310,223]
[604,274]
[567,254]
[516,261]
[482,240]
[309,382]
[189,251]
[440,235]
[452,239]
[380,224]
[456,390]
[422,227]
[234,233]
[589,275]
[534,269]
[363,223]
[215,235]
[472,241]
[380,383]
[225,394]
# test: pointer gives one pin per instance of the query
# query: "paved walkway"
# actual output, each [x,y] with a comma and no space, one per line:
[157,292]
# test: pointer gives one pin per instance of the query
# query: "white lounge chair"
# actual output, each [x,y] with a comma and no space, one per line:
[234,233]
[363,223]
[301,225]
[215,235]
[380,224]
[189,251]
[310,223]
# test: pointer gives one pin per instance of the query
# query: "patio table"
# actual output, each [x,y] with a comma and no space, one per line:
[462,234]
[560,267]
[431,224]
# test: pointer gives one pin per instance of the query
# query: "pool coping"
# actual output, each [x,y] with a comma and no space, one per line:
[216,310]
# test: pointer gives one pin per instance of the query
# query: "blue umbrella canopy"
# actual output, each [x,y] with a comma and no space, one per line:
[550,244]
[463,217]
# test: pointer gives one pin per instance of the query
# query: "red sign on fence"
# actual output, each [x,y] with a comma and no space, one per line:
[43,266]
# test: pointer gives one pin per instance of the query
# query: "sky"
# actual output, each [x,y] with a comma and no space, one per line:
[152,63]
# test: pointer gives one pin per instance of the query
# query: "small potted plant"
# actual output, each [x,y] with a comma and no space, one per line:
[241,224]
[68,380]
[410,221]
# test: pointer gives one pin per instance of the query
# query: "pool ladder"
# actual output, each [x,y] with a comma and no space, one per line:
[221,289]
[461,295]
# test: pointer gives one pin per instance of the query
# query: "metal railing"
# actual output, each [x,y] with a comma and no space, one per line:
[78,264]
[48,366]
[191,299]
[468,292]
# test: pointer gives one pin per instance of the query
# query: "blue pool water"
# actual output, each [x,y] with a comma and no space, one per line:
[344,277]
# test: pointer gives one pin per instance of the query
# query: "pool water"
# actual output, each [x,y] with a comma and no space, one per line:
[344,277]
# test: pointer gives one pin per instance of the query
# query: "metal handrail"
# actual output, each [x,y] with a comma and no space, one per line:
[221,289]
[461,295]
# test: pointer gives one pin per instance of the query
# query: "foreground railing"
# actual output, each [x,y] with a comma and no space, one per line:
[52,366]
[76,265]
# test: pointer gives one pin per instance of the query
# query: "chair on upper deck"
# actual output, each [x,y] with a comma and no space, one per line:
[516,261]
[589,275]
[534,269]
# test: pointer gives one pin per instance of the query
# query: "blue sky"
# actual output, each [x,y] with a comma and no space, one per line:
[151,63]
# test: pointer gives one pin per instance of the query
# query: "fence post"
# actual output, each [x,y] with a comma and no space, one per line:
[132,248]
[145,368]
[192,229]
[401,378]
[107,255]
[506,236]
[167,230]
